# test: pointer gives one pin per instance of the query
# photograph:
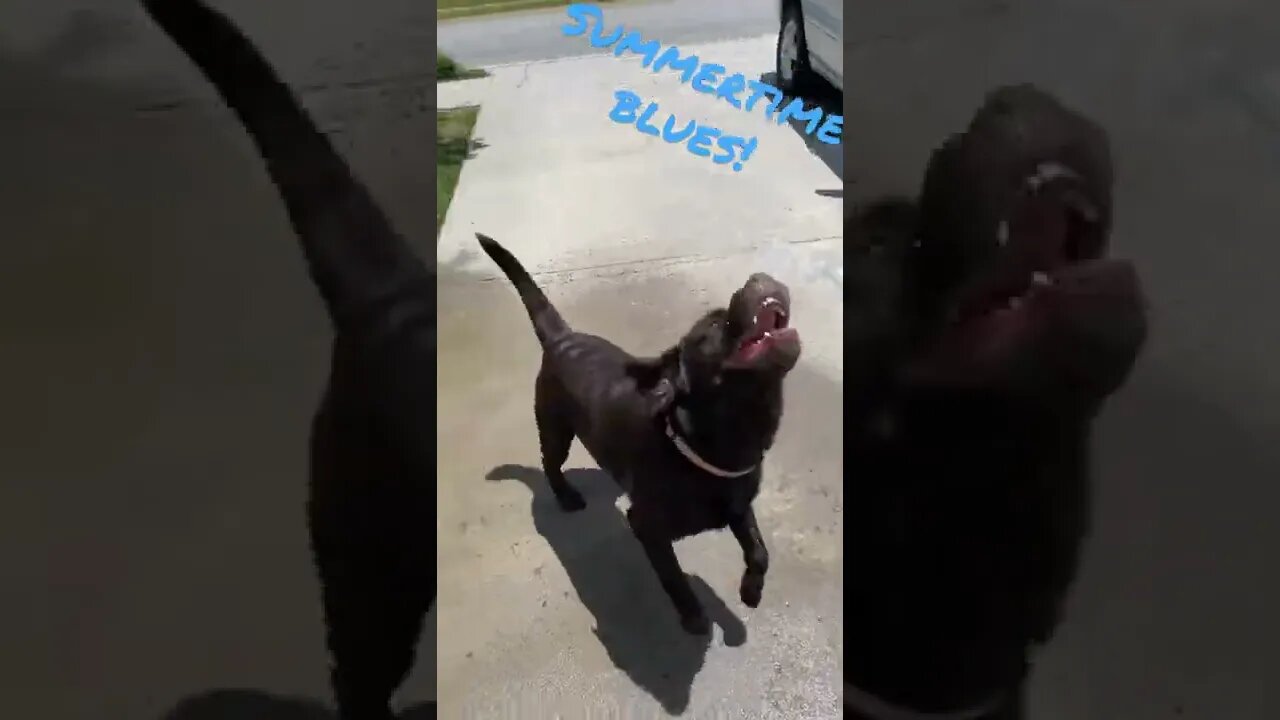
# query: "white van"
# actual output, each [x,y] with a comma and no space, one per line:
[810,41]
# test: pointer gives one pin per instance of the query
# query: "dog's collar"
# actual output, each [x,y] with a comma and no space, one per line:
[697,460]
[876,708]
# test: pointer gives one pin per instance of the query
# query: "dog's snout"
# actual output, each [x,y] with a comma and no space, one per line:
[762,284]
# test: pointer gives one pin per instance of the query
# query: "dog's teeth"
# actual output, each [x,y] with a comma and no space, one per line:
[1039,278]
[1002,233]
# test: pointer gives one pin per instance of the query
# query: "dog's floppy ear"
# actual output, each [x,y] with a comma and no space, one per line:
[648,371]
[659,378]
[887,224]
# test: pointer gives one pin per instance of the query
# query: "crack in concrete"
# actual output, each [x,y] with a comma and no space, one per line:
[560,276]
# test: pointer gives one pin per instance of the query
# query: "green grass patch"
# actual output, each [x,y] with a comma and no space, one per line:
[447,69]
[453,146]
[449,9]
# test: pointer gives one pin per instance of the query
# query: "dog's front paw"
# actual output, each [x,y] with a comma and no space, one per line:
[696,624]
[752,588]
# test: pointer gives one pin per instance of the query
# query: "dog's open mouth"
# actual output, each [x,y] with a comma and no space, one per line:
[1056,265]
[1061,243]
[769,329]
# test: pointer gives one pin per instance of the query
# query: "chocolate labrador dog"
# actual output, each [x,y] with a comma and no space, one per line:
[371,495]
[683,433]
[990,326]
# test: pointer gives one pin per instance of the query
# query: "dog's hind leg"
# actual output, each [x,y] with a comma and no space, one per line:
[373,633]
[754,554]
[662,556]
[372,553]
[1016,708]
[555,435]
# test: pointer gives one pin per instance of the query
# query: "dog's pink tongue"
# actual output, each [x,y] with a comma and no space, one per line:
[752,350]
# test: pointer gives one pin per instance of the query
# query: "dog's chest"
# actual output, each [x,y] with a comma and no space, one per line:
[691,503]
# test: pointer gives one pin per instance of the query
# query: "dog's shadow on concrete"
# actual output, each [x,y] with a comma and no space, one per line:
[635,620]
[247,704]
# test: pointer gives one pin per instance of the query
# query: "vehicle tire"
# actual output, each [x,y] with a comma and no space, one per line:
[791,57]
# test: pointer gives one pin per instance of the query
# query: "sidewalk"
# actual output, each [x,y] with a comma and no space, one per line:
[461,93]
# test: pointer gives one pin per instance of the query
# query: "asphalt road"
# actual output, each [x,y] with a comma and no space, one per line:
[536,35]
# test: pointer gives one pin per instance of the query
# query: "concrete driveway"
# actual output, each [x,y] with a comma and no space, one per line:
[542,614]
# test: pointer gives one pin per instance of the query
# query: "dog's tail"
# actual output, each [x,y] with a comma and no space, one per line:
[547,322]
[356,259]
